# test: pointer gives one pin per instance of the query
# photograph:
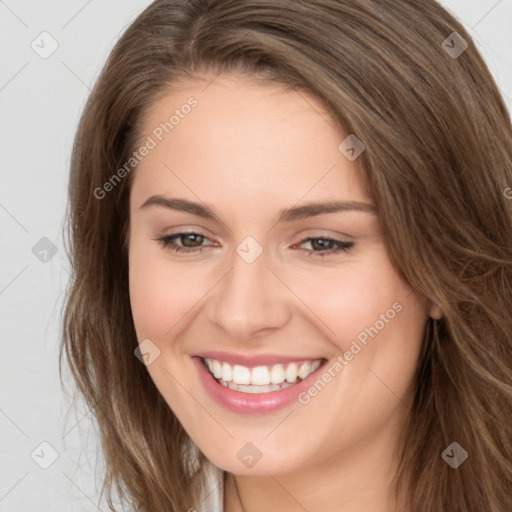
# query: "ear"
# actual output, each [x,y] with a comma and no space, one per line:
[435,311]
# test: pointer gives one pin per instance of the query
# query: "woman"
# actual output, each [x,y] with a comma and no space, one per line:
[292,249]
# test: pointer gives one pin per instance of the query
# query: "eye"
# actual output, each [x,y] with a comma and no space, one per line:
[191,242]
[323,246]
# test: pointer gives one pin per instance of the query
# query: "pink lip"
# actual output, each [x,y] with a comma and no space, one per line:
[252,403]
[254,360]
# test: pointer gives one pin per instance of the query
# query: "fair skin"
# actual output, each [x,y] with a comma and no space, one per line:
[247,151]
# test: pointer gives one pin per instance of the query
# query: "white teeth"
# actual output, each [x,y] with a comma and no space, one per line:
[277,374]
[291,372]
[227,372]
[241,374]
[304,370]
[252,389]
[258,389]
[260,379]
[260,376]
[217,369]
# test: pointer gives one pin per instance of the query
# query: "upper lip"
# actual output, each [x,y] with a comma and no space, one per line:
[251,361]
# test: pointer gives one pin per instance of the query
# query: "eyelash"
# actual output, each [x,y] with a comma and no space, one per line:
[168,243]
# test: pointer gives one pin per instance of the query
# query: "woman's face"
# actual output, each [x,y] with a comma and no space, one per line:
[262,289]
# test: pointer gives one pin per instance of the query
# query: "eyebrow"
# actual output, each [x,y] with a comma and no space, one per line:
[285,215]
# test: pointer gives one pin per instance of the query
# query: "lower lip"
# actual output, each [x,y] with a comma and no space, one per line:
[251,403]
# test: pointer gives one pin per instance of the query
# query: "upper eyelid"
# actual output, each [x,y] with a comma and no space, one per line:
[178,233]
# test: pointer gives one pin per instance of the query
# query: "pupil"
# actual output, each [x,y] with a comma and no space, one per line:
[321,243]
[191,236]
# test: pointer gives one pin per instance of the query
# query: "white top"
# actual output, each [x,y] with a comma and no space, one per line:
[213,500]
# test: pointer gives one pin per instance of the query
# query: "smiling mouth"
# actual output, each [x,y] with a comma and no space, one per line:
[260,379]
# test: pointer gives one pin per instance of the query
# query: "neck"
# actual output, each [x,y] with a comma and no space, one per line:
[359,479]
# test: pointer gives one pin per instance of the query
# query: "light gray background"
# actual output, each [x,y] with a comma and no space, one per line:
[40,102]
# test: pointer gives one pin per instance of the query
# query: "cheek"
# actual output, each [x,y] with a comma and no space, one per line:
[352,298]
[161,294]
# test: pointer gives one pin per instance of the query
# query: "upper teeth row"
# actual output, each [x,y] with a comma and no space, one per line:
[261,375]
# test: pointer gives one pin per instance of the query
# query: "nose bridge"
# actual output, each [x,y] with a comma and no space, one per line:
[246,281]
[249,298]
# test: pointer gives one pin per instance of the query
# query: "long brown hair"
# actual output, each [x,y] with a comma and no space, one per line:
[438,163]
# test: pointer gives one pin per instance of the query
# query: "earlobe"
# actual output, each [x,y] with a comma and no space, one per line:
[435,311]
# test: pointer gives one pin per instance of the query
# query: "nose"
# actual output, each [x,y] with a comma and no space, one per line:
[250,300]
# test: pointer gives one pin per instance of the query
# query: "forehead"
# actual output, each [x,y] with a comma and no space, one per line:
[237,138]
